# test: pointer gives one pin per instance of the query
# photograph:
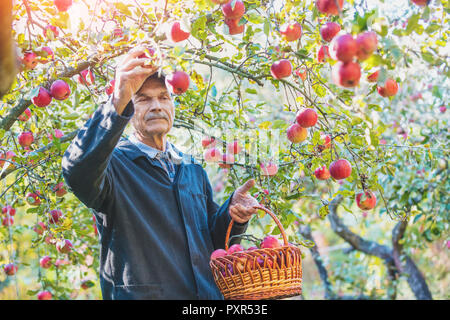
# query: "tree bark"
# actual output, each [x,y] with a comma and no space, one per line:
[392,257]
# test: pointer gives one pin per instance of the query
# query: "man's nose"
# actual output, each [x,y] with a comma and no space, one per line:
[155,106]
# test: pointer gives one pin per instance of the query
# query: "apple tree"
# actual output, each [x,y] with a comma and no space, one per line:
[337,109]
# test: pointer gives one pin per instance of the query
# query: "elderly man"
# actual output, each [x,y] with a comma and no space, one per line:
[154,207]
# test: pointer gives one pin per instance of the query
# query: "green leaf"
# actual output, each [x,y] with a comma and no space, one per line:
[267,27]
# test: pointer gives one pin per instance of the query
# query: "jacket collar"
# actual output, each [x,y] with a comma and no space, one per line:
[133,152]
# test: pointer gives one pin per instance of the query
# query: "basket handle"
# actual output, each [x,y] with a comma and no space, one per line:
[227,237]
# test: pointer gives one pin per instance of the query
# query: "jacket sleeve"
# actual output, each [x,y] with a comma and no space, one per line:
[219,219]
[85,162]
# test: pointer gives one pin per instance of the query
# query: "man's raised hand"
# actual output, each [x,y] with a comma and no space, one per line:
[131,73]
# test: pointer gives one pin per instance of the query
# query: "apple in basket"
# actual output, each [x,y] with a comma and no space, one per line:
[270,242]
[235,248]
[265,261]
[217,254]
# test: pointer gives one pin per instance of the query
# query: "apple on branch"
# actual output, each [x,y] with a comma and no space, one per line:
[60,90]
[346,74]
[329,7]
[235,11]
[296,133]
[366,200]
[389,89]
[269,169]
[26,138]
[178,82]
[340,169]
[281,69]
[177,33]
[329,31]
[291,31]
[343,48]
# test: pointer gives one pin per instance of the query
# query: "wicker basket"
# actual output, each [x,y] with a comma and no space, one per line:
[269,273]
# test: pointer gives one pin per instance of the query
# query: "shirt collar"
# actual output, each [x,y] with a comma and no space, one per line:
[153,153]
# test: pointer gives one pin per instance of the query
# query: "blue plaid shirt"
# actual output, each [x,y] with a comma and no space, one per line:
[168,158]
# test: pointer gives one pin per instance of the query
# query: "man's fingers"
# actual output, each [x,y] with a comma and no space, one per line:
[140,72]
[133,63]
[246,186]
[132,54]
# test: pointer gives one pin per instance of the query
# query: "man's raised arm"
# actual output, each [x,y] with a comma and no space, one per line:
[85,162]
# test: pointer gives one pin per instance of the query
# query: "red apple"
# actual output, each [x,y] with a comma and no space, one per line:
[178,82]
[330,6]
[227,161]
[64,246]
[296,133]
[51,32]
[63,5]
[55,216]
[177,34]
[118,32]
[281,69]
[26,139]
[322,173]
[343,48]
[60,90]
[86,77]
[39,228]
[421,2]
[367,43]
[307,118]
[8,155]
[50,55]
[29,60]
[234,147]
[233,12]
[10,269]
[57,133]
[301,72]
[45,262]
[33,199]
[327,144]
[61,262]
[366,200]
[59,189]
[8,210]
[373,77]
[44,295]
[270,242]
[346,74]
[291,32]
[322,53]
[7,221]
[269,169]
[208,142]
[329,31]
[218,253]
[389,89]
[340,169]
[43,98]
[234,27]
[235,248]
[110,88]
[442,109]
[212,155]
[25,116]
[416,96]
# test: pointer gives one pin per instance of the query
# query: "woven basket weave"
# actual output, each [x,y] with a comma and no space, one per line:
[269,273]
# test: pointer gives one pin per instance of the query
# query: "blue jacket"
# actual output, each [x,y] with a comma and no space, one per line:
[156,235]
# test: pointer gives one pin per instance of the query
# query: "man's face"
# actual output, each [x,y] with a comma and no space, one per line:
[154,109]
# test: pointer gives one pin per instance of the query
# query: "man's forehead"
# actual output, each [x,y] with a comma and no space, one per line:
[152,87]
